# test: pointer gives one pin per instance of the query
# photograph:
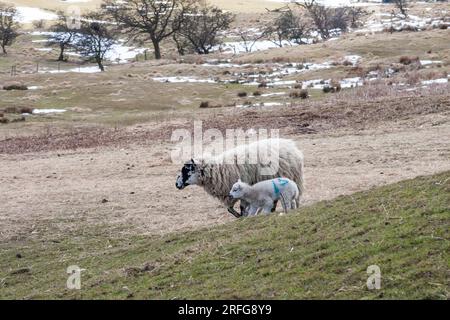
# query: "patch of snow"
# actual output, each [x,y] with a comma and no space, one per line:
[273,94]
[47,111]
[236,47]
[29,14]
[90,69]
[435,81]
[354,59]
[428,62]
[182,80]
[262,104]
[121,54]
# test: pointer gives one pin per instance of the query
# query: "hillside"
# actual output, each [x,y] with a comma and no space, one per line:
[322,251]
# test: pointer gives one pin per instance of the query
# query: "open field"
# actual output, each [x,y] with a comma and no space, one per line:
[93,184]
[321,252]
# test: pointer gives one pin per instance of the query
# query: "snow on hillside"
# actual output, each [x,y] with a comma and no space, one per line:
[28,14]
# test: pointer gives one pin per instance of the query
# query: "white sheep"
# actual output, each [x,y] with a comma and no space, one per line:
[217,175]
[262,195]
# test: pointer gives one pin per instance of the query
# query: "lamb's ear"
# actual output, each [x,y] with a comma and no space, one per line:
[239,180]
[192,160]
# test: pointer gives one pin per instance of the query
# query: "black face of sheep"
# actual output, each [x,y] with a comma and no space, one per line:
[187,176]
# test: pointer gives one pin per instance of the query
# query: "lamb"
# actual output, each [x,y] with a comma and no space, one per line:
[217,175]
[262,195]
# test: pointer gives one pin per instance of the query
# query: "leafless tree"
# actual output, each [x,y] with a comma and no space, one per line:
[95,38]
[288,26]
[201,27]
[64,35]
[8,26]
[183,45]
[250,37]
[153,20]
[402,6]
[326,19]
[355,15]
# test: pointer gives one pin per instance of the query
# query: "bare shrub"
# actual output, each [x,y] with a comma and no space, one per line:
[204,104]
[336,85]
[300,94]
[406,60]
[412,78]
[262,84]
[26,110]
[257,93]
[327,89]
[333,87]
[347,63]
[208,105]
[242,94]
[15,87]
[39,24]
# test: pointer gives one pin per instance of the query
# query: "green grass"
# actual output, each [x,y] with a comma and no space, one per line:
[322,251]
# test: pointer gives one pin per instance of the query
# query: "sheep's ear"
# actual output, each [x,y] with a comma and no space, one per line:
[192,160]
[239,180]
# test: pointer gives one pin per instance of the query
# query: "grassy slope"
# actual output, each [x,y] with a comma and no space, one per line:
[321,252]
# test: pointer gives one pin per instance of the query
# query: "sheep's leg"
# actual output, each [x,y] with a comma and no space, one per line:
[274,206]
[233,212]
[231,208]
[267,209]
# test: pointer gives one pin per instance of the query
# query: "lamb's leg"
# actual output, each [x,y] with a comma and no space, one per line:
[294,204]
[244,208]
[286,205]
[253,211]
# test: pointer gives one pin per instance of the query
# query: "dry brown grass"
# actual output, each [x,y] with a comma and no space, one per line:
[359,108]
